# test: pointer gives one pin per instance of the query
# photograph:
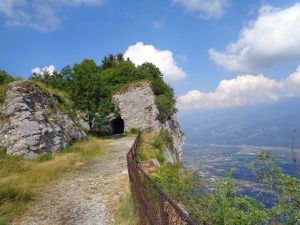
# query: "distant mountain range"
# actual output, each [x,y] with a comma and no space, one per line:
[268,125]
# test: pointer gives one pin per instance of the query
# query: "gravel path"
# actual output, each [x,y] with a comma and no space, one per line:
[87,197]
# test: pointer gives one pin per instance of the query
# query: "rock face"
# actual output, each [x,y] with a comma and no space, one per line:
[137,106]
[138,110]
[33,123]
[175,153]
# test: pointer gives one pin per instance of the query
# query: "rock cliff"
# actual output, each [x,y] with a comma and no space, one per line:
[31,122]
[137,108]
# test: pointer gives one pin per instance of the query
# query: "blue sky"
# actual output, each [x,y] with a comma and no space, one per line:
[187,39]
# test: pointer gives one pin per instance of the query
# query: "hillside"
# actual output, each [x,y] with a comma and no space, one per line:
[54,157]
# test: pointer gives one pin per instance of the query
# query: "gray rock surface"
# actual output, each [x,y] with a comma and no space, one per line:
[174,154]
[137,106]
[34,122]
[138,110]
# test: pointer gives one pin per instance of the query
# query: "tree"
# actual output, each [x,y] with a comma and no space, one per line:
[89,93]
[284,187]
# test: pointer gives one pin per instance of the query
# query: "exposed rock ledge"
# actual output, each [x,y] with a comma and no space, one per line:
[32,123]
[138,110]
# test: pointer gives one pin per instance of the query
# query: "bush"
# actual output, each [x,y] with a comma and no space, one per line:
[5,78]
[166,138]
[222,204]
[178,183]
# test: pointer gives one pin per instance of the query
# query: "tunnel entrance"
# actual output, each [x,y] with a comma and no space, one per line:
[117,126]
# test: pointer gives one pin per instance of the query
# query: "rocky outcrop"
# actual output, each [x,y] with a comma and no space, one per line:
[137,108]
[174,153]
[34,123]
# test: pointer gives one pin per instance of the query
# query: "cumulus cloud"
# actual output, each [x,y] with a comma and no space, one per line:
[272,38]
[36,14]
[163,59]
[37,71]
[207,8]
[241,91]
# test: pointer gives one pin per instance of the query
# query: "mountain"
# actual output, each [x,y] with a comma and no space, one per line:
[269,124]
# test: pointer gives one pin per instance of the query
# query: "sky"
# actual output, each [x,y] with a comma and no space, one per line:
[216,54]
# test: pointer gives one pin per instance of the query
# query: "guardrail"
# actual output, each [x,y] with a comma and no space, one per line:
[155,207]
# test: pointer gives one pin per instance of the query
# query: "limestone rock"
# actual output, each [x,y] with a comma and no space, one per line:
[137,106]
[35,124]
[138,110]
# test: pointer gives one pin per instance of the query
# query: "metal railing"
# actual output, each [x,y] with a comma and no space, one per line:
[155,207]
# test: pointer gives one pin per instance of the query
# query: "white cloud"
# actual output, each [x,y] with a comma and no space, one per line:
[206,8]
[36,14]
[163,59]
[241,91]
[41,71]
[272,38]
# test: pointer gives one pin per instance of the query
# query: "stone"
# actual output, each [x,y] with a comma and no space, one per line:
[138,110]
[35,124]
[137,106]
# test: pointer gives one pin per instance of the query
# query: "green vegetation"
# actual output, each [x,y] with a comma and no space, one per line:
[91,86]
[131,132]
[64,101]
[22,180]
[3,117]
[223,205]
[154,145]
[5,79]
[125,213]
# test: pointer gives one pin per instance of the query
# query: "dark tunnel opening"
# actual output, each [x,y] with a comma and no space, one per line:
[117,126]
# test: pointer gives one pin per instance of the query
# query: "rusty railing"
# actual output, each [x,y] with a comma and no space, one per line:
[155,207]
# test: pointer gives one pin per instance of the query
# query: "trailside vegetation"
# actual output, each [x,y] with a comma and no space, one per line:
[23,180]
[5,79]
[91,86]
[223,204]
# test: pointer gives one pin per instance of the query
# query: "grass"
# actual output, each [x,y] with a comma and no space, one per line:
[64,100]
[2,93]
[131,132]
[126,213]
[152,147]
[131,84]
[22,180]
[3,118]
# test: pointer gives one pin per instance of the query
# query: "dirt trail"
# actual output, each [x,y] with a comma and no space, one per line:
[88,196]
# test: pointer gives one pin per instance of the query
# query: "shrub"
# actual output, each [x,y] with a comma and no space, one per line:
[5,78]
[166,138]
